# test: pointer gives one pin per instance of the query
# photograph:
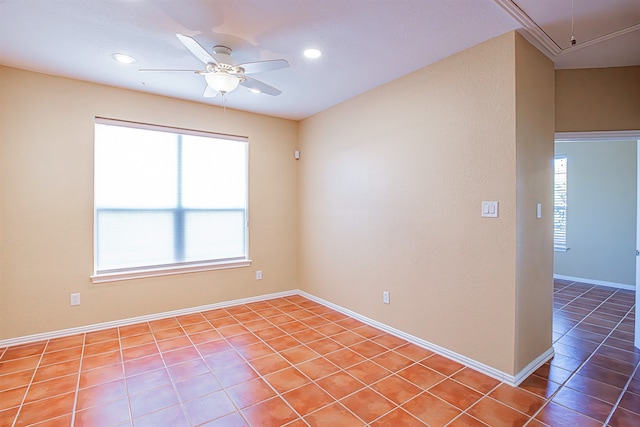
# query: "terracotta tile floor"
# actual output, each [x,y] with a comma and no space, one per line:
[291,361]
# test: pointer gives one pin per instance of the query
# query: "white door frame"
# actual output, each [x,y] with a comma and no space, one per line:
[636,336]
[631,135]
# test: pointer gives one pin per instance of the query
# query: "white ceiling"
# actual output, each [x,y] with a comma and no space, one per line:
[365,42]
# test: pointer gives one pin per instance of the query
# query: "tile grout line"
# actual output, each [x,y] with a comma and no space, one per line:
[550,398]
[182,402]
[164,367]
[124,371]
[285,333]
[223,388]
[26,392]
[368,386]
[626,386]
[224,338]
[239,410]
[323,356]
[368,339]
[575,371]
[573,298]
[77,390]
[241,323]
[365,339]
[236,348]
[340,369]
[566,304]
[587,315]
[485,395]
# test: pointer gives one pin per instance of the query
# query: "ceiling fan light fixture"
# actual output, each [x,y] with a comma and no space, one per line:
[123,58]
[222,82]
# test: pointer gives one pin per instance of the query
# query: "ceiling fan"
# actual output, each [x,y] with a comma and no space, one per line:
[221,75]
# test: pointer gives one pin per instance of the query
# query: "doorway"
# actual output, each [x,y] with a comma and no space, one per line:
[606,235]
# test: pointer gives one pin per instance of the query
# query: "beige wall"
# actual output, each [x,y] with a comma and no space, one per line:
[535,126]
[46,199]
[391,185]
[598,99]
[388,198]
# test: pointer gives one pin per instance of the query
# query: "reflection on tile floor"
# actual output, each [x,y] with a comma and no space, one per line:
[291,361]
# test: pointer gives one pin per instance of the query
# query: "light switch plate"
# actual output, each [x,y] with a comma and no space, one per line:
[490,209]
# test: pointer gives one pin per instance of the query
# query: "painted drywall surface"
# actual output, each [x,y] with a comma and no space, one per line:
[46,134]
[3,319]
[535,125]
[391,185]
[601,211]
[598,99]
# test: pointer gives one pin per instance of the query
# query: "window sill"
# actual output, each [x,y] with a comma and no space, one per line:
[560,249]
[167,271]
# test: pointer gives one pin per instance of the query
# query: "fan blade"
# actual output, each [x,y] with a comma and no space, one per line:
[209,92]
[259,86]
[165,70]
[261,66]
[195,48]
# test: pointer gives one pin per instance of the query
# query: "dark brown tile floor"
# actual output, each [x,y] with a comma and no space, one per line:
[595,369]
[291,361]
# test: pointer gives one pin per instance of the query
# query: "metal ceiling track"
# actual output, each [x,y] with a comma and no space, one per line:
[546,43]
[549,47]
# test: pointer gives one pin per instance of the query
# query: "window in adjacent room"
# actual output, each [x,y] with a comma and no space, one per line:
[560,203]
[167,200]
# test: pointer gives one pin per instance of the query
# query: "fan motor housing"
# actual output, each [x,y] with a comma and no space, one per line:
[224,68]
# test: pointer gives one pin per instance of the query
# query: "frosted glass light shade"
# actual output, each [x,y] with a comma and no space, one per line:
[222,82]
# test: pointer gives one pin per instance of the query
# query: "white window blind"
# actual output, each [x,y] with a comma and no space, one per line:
[560,203]
[167,197]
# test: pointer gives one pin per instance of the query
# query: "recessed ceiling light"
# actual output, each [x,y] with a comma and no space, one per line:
[123,59]
[312,53]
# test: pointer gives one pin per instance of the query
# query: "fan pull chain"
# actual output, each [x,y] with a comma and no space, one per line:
[573,39]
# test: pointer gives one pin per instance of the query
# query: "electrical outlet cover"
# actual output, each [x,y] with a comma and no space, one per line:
[75,299]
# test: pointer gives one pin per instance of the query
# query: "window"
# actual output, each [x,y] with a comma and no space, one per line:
[167,200]
[560,203]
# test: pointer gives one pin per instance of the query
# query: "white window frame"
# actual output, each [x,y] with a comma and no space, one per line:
[175,268]
[560,240]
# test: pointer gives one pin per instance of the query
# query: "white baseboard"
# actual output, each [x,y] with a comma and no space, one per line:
[130,321]
[533,366]
[595,282]
[512,380]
